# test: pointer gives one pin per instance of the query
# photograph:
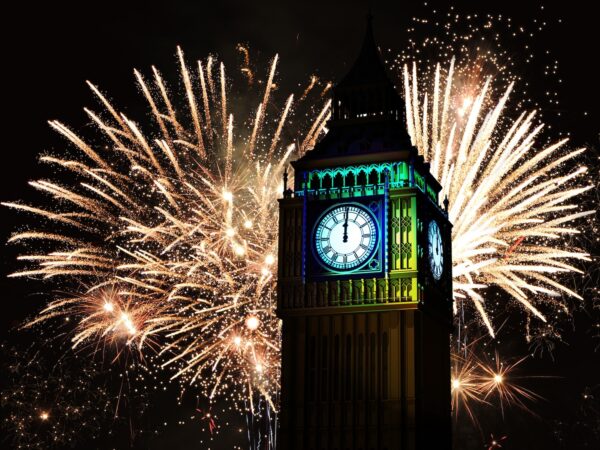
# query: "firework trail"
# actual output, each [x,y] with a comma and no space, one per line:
[512,200]
[52,401]
[466,387]
[453,105]
[174,231]
[477,382]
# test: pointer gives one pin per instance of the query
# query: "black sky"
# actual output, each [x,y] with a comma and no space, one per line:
[50,49]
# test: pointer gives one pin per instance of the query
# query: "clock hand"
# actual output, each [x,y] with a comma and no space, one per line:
[345,238]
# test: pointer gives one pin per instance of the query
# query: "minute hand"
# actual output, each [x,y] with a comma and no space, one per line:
[345,238]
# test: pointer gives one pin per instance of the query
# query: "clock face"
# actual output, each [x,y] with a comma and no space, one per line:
[436,251]
[345,236]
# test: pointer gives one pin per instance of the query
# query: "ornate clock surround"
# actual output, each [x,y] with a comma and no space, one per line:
[374,267]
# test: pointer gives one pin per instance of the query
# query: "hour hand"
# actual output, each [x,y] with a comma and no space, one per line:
[345,238]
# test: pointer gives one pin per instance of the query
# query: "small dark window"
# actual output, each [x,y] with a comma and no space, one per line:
[338,181]
[312,368]
[384,366]
[348,368]
[373,367]
[324,368]
[373,178]
[315,183]
[360,368]
[350,179]
[336,368]
[362,178]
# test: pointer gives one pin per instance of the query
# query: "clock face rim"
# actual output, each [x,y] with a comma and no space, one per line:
[373,244]
[436,267]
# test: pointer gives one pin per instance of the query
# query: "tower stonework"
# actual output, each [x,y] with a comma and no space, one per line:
[364,281]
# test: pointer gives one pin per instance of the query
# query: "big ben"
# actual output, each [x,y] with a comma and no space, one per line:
[364,281]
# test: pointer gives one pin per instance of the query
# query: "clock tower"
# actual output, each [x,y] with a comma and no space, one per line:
[364,281]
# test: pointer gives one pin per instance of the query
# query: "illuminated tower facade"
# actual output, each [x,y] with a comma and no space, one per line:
[365,287]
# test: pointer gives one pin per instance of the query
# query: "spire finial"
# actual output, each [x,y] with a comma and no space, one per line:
[369,34]
[287,193]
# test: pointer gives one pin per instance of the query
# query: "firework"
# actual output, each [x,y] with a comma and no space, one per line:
[173,229]
[171,226]
[486,60]
[478,382]
[466,386]
[495,443]
[499,380]
[512,201]
[51,401]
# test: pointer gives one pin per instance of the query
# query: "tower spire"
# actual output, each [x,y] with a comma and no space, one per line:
[367,114]
[368,67]
[366,91]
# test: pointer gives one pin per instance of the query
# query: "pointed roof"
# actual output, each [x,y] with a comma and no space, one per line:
[368,67]
[367,115]
[366,93]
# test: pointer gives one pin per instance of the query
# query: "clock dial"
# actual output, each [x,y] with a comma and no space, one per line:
[345,236]
[436,250]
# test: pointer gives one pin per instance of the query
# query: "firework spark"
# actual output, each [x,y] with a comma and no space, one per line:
[466,386]
[512,201]
[499,380]
[477,382]
[174,230]
[53,401]
[173,226]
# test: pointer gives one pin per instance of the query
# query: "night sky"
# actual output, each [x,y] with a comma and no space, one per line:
[50,49]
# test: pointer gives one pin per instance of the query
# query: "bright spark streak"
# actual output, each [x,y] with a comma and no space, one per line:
[508,206]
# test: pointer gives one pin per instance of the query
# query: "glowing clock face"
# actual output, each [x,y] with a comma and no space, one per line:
[436,251]
[345,236]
